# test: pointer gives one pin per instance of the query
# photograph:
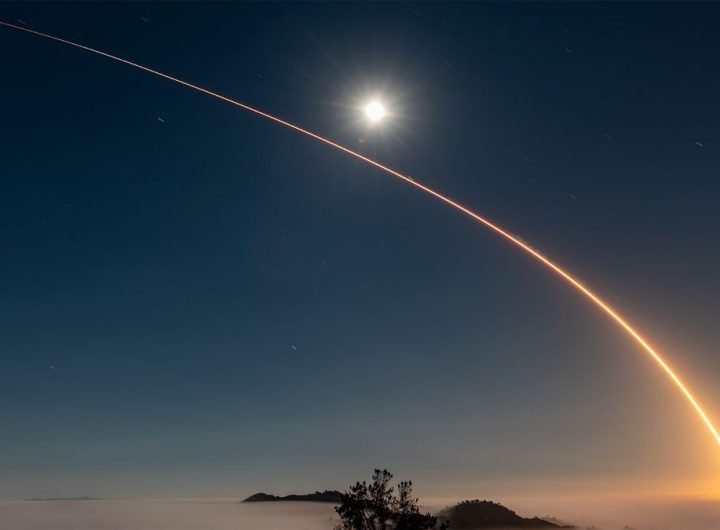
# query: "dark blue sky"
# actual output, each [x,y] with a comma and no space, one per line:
[208,303]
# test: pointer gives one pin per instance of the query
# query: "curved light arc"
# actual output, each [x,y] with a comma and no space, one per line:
[580,287]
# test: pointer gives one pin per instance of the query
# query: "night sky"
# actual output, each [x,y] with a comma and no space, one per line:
[197,301]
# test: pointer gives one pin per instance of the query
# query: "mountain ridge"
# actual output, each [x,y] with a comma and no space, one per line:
[477,514]
[332,496]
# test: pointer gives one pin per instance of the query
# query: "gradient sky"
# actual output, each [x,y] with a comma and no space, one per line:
[195,301]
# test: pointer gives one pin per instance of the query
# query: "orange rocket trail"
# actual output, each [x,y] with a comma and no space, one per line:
[582,289]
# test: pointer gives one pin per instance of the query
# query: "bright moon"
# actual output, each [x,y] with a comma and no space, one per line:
[374,111]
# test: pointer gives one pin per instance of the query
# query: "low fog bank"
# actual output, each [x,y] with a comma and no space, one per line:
[175,514]
[661,515]
[229,514]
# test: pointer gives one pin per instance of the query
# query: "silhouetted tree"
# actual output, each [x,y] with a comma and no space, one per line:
[374,506]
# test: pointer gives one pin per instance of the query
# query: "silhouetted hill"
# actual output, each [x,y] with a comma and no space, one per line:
[486,514]
[319,496]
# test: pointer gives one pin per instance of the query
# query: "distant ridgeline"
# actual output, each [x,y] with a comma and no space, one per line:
[67,499]
[319,496]
[467,515]
[486,514]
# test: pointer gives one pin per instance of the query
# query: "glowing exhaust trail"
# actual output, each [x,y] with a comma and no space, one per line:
[614,315]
